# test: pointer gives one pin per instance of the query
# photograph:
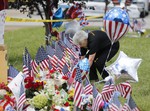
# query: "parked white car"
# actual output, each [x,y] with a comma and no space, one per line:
[132,9]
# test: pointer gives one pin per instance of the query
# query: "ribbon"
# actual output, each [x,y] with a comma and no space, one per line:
[12,19]
[8,101]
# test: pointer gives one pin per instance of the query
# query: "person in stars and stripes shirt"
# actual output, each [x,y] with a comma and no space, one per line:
[95,46]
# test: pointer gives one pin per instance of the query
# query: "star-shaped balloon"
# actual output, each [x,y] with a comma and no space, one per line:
[125,68]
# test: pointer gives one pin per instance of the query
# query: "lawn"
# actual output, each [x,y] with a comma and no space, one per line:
[32,38]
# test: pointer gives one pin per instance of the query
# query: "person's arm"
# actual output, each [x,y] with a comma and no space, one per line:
[83,53]
[91,59]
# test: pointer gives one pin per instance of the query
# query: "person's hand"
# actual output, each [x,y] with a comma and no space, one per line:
[82,57]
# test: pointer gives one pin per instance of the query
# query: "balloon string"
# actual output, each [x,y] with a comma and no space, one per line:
[105,63]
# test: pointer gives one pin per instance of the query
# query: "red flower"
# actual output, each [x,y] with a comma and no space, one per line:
[66,104]
[65,77]
[70,98]
[57,92]
[4,86]
[56,87]
[56,110]
[28,79]
[28,86]
[35,85]
[51,71]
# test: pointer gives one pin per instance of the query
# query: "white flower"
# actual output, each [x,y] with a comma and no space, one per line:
[3,92]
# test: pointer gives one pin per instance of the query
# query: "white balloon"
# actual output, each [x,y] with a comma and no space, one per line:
[125,68]
[72,27]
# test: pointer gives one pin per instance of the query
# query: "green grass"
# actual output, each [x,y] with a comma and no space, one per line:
[32,38]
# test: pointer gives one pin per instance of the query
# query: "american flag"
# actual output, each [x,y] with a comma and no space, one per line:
[108,90]
[26,62]
[60,55]
[22,97]
[65,71]
[69,48]
[124,89]
[125,107]
[97,100]
[119,29]
[71,41]
[34,67]
[114,102]
[12,73]
[84,74]
[132,105]
[42,58]
[113,107]
[88,89]
[51,54]
[78,89]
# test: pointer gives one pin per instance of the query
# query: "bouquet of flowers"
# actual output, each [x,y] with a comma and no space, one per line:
[6,98]
[50,94]
[32,86]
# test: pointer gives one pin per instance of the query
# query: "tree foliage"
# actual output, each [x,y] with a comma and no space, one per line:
[44,8]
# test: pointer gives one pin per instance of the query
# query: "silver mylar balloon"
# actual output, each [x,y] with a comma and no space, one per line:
[72,27]
[125,68]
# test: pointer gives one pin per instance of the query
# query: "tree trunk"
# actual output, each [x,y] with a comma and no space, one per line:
[48,28]
[47,33]
[106,4]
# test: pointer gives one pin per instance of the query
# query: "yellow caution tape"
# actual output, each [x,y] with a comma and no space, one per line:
[12,19]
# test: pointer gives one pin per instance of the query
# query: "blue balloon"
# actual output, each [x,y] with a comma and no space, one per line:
[117,14]
[84,64]
[58,15]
